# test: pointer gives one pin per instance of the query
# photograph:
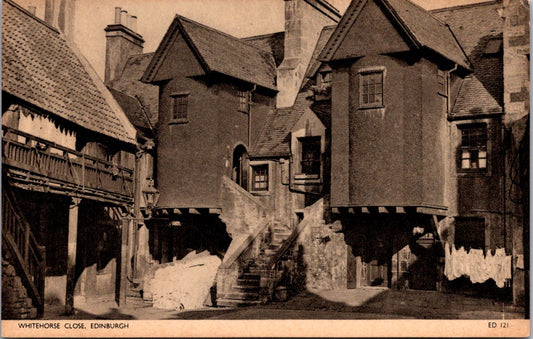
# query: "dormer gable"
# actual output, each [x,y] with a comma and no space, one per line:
[389,26]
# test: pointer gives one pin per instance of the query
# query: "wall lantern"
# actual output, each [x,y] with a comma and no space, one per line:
[150,195]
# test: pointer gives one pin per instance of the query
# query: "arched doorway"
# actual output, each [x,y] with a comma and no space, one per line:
[239,172]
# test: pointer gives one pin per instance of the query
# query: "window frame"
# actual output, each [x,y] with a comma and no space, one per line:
[361,74]
[300,174]
[255,164]
[473,148]
[244,100]
[175,116]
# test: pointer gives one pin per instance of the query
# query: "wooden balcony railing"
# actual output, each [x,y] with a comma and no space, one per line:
[63,165]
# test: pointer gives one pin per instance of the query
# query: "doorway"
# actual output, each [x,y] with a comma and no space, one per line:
[240,166]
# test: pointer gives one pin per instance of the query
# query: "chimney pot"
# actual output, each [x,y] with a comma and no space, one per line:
[134,23]
[117,15]
[124,17]
[32,9]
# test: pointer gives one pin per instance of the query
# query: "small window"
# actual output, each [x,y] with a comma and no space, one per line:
[470,233]
[310,156]
[179,106]
[244,101]
[442,79]
[473,147]
[260,177]
[371,89]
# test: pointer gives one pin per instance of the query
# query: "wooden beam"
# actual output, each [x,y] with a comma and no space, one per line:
[176,211]
[193,211]
[71,254]
[335,210]
[400,210]
[365,210]
[215,211]
[122,266]
[382,210]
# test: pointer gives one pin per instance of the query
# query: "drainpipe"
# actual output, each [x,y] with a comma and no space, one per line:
[250,118]
[448,77]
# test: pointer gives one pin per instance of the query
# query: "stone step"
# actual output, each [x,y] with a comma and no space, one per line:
[243,295]
[249,276]
[246,288]
[237,303]
[248,282]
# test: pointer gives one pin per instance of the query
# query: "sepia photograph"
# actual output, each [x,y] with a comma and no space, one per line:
[269,167]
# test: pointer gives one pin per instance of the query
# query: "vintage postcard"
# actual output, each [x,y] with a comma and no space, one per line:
[224,168]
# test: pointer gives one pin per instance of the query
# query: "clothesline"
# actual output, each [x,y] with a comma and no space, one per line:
[477,266]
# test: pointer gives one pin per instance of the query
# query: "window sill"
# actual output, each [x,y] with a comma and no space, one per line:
[473,173]
[367,107]
[303,176]
[261,193]
[178,121]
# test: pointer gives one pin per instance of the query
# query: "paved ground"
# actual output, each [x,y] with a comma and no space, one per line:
[371,303]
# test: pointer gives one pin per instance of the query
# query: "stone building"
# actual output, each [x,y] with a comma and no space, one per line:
[376,149]
[67,169]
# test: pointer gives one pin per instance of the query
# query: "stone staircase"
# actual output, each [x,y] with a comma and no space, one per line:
[249,287]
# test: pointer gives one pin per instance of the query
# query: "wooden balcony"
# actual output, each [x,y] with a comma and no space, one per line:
[37,164]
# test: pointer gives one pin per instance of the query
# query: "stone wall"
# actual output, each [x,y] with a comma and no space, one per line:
[322,251]
[15,301]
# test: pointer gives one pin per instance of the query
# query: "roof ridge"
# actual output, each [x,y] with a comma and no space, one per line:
[32,16]
[426,11]
[241,40]
[466,6]
[261,35]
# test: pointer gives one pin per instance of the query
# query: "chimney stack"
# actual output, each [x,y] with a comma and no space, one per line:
[122,40]
[61,15]
[304,20]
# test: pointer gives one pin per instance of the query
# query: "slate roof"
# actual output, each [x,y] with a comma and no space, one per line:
[220,52]
[474,99]
[472,22]
[273,43]
[323,38]
[129,84]
[40,67]
[133,109]
[424,30]
[274,139]
[475,26]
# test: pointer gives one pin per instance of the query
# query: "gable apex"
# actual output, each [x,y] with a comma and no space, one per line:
[176,29]
[418,28]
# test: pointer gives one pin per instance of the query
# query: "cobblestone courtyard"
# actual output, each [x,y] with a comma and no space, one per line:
[343,304]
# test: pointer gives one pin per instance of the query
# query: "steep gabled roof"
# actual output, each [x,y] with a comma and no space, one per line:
[314,64]
[129,84]
[40,67]
[272,43]
[274,139]
[133,109]
[218,52]
[418,25]
[474,99]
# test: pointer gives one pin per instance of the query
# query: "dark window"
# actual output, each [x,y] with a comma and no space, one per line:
[244,101]
[473,147]
[179,106]
[470,233]
[371,89]
[260,177]
[310,155]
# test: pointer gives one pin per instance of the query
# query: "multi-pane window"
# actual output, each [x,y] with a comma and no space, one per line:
[260,177]
[179,106]
[442,80]
[244,101]
[371,89]
[473,147]
[470,232]
[310,155]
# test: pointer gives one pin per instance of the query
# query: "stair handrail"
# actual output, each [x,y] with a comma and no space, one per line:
[24,253]
[245,244]
[287,243]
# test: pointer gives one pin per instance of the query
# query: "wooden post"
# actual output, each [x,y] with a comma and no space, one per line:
[71,254]
[124,262]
